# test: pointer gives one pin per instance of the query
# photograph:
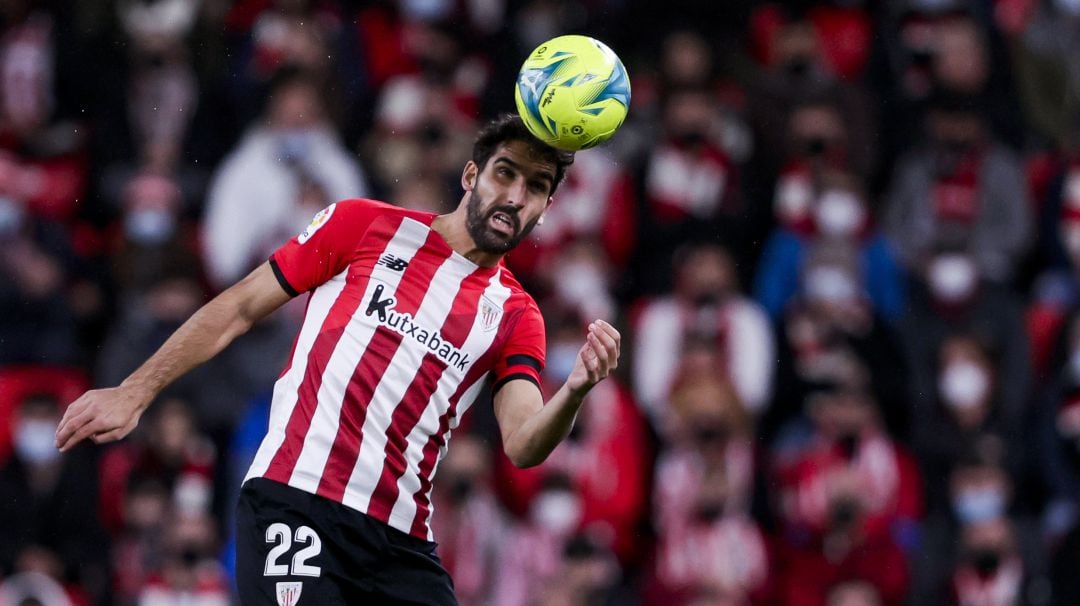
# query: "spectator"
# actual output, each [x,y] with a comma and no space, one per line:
[48,518]
[962,190]
[604,459]
[189,572]
[535,546]
[849,501]
[838,216]
[706,305]
[831,331]
[281,173]
[708,546]
[797,69]
[170,450]
[951,299]
[969,414]
[981,506]
[469,522]
[690,192]
[37,316]
[137,544]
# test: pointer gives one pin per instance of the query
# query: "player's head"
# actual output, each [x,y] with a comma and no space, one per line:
[509,127]
[508,184]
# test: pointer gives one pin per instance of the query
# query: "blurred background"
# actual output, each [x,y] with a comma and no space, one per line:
[841,239]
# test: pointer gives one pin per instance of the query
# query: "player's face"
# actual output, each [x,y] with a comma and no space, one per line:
[508,197]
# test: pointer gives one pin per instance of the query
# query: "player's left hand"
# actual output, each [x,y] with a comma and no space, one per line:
[596,359]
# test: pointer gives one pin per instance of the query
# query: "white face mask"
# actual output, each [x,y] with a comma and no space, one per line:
[1074,364]
[979,505]
[35,441]
[952,277]
[829,284]
[557,511]
[149,226]
[964,385]
[560,361]
[838,213]
[1070,239]
[11,216]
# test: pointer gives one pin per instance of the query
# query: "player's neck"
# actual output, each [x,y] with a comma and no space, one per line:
[452,228]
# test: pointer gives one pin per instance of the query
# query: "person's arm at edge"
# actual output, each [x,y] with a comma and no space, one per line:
[531,429]
[104,415]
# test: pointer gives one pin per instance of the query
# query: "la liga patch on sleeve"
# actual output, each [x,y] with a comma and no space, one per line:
[317,222]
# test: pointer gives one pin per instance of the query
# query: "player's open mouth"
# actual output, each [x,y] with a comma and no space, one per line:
[503,223]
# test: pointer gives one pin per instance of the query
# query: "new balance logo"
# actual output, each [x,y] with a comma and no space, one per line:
[391,262]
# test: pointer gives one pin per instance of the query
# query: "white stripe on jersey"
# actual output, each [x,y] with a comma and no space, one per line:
[432,312]
[341,365]
[478,340]
[287,388]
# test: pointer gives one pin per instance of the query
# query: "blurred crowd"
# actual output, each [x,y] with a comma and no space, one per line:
[841,239]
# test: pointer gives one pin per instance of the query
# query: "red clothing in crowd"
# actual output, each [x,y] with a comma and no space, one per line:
[606,463]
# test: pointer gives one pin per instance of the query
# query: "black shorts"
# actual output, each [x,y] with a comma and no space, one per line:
[296,549]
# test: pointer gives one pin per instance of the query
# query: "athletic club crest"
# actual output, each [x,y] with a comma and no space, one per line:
[288,592]
[490,315]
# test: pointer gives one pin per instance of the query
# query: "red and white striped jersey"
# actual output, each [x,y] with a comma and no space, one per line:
[399,336]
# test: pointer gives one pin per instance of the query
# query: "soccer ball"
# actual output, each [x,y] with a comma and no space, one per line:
[572,92]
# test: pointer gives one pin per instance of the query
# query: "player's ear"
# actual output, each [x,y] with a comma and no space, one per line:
[469,175]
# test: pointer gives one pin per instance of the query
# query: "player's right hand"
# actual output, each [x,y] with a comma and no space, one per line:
[103,415]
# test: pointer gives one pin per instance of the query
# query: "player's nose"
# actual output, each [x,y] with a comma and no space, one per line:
[517,194]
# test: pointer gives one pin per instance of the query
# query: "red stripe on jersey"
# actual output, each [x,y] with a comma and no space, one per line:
[437,441]
[342,458]
[455,329]
[337,320]
[406,415]
[369,371]
[296,339]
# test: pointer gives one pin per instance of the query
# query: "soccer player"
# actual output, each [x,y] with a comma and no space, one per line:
[409,314]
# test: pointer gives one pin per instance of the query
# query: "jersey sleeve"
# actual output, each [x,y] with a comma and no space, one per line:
[324,248]
[523,355]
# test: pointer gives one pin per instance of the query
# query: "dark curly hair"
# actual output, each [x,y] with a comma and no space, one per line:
[509,127]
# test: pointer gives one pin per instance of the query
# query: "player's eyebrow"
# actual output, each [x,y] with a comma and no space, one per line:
[541,173]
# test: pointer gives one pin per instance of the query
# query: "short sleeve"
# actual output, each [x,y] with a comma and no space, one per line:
[324,248]
[523,355]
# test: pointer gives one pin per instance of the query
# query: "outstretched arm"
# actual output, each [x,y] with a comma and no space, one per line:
[104,415]
[530,429]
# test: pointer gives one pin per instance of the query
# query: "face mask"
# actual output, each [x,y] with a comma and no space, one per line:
[1070,239]
[35,442]
[191,495]
[557,511]
[1068,7]
[839,213]
[952,278]
[149,227]
[294,145]
[979,505]
[425,10]
[964,385]
[11,216]
[1074,364]
[829,284]
[560,361]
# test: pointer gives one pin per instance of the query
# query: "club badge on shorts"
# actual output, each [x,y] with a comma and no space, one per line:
[288,592]
[317,222]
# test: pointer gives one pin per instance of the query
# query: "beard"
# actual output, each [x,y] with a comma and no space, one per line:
[488,240]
